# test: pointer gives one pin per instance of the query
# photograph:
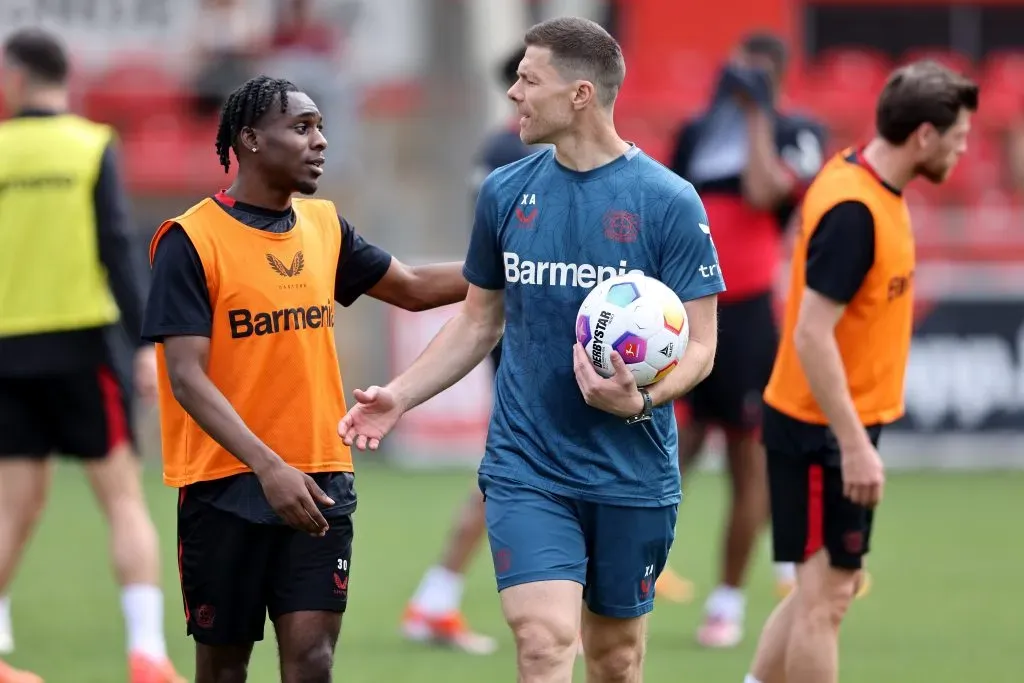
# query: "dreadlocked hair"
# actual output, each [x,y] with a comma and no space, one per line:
[245,106]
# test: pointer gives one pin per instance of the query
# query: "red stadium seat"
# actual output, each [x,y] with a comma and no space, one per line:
[1002,90]
[154,155]
[130,93]
[656,142]
[852,68]
[683,89]
[174,154]
[978,171]
[923,211]
[846,84]
[950,58]
[798,90]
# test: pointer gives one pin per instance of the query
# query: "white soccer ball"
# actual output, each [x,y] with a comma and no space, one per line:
[641,319]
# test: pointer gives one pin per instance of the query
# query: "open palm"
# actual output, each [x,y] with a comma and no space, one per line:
[375,413]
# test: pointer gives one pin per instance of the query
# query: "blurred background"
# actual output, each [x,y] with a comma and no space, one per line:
[409,90]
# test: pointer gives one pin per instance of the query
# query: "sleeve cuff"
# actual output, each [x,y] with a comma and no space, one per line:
[478,280]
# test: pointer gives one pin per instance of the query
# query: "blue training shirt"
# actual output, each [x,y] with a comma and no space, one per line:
[546,235]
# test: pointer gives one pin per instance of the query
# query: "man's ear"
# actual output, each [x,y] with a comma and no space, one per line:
[247,138]
[583,94]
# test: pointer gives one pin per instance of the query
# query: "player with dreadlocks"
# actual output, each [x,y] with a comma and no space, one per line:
[242,312]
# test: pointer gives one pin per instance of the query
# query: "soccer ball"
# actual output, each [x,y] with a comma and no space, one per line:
[640,318]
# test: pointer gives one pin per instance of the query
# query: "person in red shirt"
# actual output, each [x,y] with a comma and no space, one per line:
[750,163]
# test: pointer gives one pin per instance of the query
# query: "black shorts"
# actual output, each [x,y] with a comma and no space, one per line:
[747,340]
[83,414]
[234,572]
[809,510]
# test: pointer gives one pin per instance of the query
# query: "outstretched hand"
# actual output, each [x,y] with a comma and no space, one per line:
[617,394]
[375,413]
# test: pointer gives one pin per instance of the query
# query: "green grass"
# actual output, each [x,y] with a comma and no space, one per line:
[946,605]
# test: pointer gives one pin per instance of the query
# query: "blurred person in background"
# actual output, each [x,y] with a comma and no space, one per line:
[434,613]
[839,375]
[66,280]
[229,36]
[307,45]
[750,163]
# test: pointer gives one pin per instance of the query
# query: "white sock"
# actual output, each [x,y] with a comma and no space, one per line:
[440,592]
[785,571]
[726,602]
[143,608]
[6,632]
[750,679]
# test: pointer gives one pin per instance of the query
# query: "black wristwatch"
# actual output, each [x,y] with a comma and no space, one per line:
[645,414]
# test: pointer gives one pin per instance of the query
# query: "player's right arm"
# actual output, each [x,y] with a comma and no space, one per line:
[179,315]
[474,331]
[462,343]
[839,255]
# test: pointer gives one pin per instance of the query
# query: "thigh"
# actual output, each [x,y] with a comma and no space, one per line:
[847,525]
[794,489]
[309,573]
[306,642]
[89,411]
[24,428]
[605,636]
[533,535]
[223,564]
[628,548]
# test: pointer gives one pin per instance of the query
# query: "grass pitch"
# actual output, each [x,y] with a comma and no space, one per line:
[945,608]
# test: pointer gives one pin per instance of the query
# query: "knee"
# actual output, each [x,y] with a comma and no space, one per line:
[25,510]
[619,663]
[233,674]
[544,644]
[221,664]
[310,665]
[828,605]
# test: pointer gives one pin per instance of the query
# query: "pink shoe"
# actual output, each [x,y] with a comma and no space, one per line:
[720,633]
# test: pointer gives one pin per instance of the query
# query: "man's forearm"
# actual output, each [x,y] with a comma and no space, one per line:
[693,367]
[765,179]
[458,348]
[823,366]
[440,284]
[211,410]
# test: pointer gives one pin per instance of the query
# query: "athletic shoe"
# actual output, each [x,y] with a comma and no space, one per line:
[145,669]
[8,674]
[449,630]
[720,633]
[673,588]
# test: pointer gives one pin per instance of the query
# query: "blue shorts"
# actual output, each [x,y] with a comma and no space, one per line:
[616,553]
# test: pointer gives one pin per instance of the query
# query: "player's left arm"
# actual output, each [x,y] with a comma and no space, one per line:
[366,269]
[115,245]
[770,178]
[699,357]
[690,268]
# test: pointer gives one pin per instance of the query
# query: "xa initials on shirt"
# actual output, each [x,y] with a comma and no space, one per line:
[527,210]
